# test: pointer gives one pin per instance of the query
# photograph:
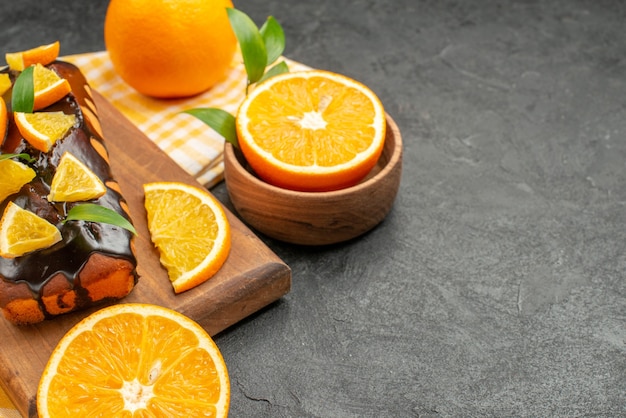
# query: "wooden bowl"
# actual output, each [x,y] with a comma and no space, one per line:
[316,218]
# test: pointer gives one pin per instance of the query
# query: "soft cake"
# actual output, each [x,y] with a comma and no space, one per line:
[93,262]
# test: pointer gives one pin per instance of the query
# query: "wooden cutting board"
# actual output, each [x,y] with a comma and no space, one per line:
[252,277]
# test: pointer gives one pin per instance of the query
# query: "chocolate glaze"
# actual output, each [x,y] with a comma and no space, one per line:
[80,239]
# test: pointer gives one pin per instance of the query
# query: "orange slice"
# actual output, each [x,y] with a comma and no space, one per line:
[135,360]
[49,87]
[5,83]
[4,120]
[190,230]
[43,54]
[73,181]
[13,175]
[311,130]
[22,231]
[43,129]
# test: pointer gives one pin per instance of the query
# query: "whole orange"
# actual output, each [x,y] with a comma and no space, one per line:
[169,48]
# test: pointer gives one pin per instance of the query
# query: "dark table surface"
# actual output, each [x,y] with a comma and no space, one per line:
[495,287]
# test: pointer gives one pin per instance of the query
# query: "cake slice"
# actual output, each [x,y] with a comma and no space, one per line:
[93,261]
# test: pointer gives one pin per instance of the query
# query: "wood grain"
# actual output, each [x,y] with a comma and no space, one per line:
[252,277]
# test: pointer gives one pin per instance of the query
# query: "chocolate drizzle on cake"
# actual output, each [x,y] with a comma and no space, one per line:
[80,239]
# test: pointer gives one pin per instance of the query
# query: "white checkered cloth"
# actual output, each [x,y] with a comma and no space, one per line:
[192,144]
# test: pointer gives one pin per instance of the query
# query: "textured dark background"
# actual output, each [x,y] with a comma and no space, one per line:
[495,287]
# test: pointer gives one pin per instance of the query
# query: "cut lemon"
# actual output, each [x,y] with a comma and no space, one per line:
[43,129]
[13,175]
[135,360]
[190,230]
[5,83]
[74,182]
[22,231]
[43,54]
[49,87]
[4,119]
[311,130]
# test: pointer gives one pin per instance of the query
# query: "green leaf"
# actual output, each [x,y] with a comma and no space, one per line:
[273,38]
[250,42]
[279,68]
[220,120]
[95,213]
[23,96]
[22,156]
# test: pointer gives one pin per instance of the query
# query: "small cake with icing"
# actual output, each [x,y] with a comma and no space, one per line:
[87,262]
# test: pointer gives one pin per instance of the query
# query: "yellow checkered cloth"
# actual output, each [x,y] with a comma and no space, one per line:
[192,144]
[7,410]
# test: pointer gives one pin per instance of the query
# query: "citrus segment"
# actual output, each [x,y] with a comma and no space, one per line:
[73,181]
[43,129]
[4,119]
[13,175]
[135,358]
[170,48]
[311,130]
[22,232]
[5,83]
[190,230]
[43,54]
[49,87]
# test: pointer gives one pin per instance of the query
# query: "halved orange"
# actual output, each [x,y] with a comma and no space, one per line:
[43,129]
[73,181]
[190,229]
[311,130]
[22,232]
[135,360]
[49,87]
[43,54]
[4,119]
[13,175]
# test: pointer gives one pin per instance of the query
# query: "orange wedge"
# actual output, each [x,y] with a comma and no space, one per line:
[135,360]
[43,54]
[49,87]
[21,232]
[190,230]
[5,83]
[311,130]
[4,119]
[43,129]
[73,181]
[13,175]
